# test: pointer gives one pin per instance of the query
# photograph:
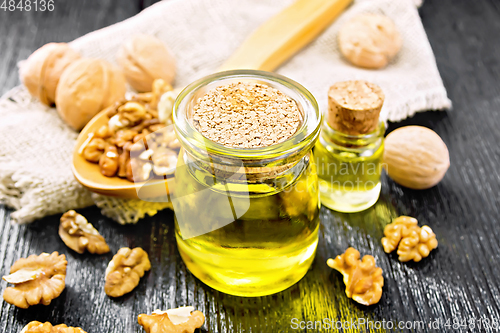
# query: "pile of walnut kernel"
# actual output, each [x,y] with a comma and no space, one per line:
[137,143]
[39,279]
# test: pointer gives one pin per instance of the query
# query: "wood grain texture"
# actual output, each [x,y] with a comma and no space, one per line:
[460,280]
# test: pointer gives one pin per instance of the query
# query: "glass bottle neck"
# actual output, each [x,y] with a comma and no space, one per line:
[329,136]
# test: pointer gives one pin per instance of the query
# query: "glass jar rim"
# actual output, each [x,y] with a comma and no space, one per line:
[303,139]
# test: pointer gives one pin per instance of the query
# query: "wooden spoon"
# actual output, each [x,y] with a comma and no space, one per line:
[267,48]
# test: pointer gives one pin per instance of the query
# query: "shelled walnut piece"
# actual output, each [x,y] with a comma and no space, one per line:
[125,271]
[396,230]
[363,280]
[134,144]
[417,245]
[38,327]
[414,242]
[80,235]
[36,280]
[180,320]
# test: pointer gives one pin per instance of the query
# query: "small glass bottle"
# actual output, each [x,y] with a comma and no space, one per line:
[247,219]
[349,151]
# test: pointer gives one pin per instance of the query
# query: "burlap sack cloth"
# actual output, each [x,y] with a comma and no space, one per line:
[36,146]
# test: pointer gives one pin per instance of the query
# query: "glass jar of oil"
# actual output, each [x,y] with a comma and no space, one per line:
[349,151]
[247,219]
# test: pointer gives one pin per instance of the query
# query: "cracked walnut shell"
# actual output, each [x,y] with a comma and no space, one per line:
[180,320]
[80,235]
[125,270]
[363,280]
[38,327]
[36,280]
[413,242]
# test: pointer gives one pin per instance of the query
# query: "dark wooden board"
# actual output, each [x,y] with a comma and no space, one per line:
[459,281]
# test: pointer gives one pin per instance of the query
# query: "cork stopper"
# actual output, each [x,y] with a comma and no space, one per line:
[354,107]
[246,115]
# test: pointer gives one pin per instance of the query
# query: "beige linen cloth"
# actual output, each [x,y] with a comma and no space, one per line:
[36,146]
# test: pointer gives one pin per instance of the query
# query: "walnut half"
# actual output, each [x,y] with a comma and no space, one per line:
[38,327]
[363,280]
[413,242]
[79,235]
[36,279]
[395,231]
[417,245]
[180,320]
[125,270]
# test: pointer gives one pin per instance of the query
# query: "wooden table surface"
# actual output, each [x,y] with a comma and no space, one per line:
[459,281]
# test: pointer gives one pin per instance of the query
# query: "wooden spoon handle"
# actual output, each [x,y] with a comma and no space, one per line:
[283,35]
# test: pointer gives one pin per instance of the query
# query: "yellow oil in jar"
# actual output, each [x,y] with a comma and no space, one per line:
[267,249]
[349,169]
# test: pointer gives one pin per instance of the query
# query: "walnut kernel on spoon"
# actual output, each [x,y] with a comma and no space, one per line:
[80,235]
[138,142]
[36,280]
[125,271]
[38,327]
[180,320]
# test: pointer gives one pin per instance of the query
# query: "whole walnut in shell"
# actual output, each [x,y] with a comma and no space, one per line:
[415,157]
[86,87]
[41,72]
[145,58]
[369,40]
